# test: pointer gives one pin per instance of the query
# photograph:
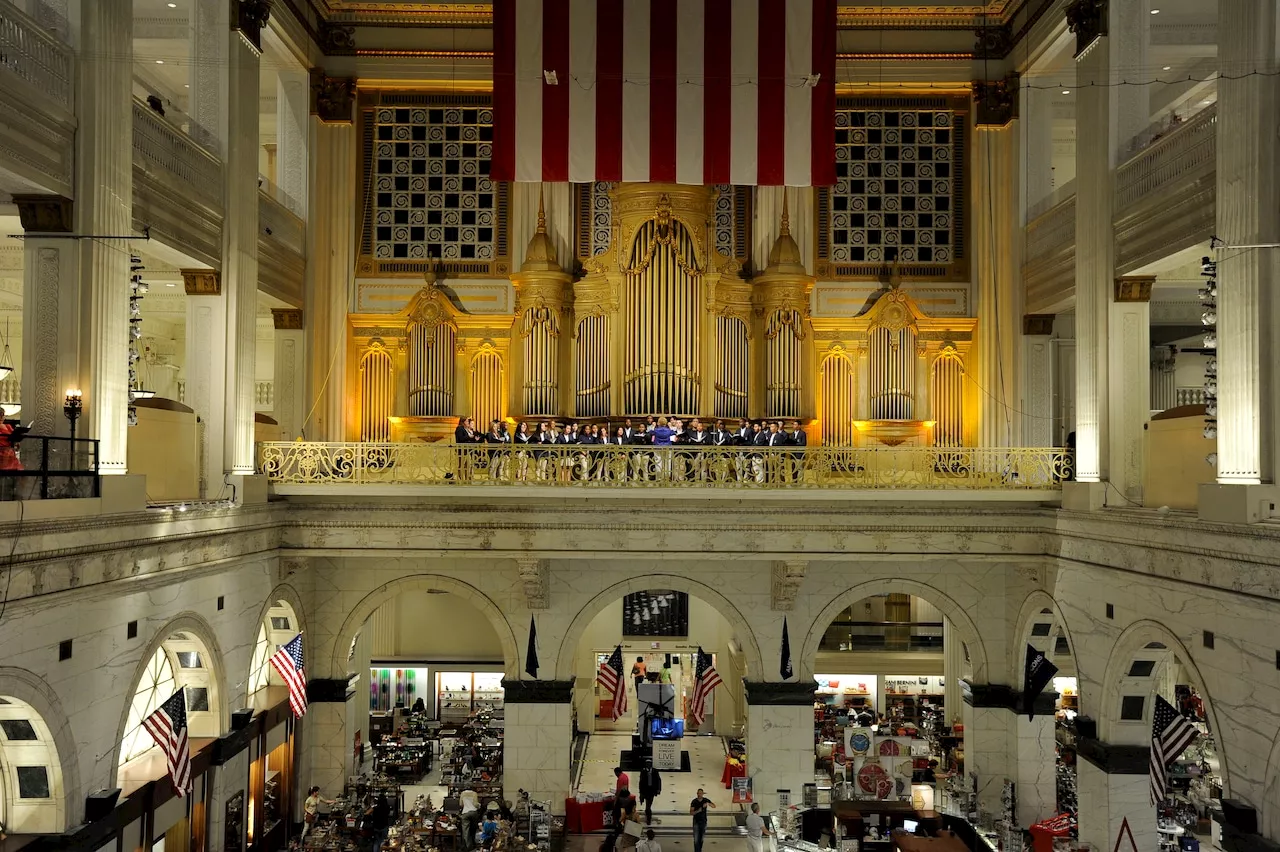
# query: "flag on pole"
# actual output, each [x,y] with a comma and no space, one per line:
[1170,736]
[705,679]
[288,661]
[1035,677]
[168,727]
[611,679]
[531,654]
[684,91]
[784,668]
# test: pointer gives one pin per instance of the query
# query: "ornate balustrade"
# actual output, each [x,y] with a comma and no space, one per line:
[164,151]
[36,57]
[264,395]
[736,468]
[1173,159]
[284,225]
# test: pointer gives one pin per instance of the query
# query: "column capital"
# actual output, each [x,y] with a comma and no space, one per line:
[787,577]
[998,696]
[249,18]
[996,101]
[1088,20]
[1134,288]
[993,42]
[332,98]
[45,214]
[286,319]
[778,693]
[1115,759]
[535,576]
[537,691]
[202,282]
[1037,325]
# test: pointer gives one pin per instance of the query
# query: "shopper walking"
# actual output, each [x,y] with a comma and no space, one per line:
[698,807]
[470,801]
[650,787]
[756,830]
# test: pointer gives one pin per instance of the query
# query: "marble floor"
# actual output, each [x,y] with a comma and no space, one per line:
[706,760]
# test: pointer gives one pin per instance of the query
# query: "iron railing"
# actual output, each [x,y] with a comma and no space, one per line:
[52,469]
[882,468]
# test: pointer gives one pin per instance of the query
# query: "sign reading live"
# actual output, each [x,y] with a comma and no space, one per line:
[678,91]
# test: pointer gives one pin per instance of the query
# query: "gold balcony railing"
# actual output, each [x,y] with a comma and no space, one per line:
[854,468]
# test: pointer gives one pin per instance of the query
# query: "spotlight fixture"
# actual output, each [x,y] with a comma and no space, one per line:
[159,61]
[1167,68]
[1155,11]
[172,5]
[1066,91]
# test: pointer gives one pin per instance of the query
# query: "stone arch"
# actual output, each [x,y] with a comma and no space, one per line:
[964,624]
[33,691]
[674,582]
[1032,609]
[425,582]
[186,622]
[282,593]
[1136,638]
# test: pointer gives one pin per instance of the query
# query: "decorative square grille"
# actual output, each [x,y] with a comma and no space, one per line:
[429,196]
[899,191]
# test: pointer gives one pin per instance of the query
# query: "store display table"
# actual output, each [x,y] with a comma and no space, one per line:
[585,817]
[945,842]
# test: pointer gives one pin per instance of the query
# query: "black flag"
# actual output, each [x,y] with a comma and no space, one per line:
[784,667]
[1039,672]
[531,656]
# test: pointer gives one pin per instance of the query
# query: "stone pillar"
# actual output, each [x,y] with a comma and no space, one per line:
[952,672]
[1035,768]
[104,207]
[50,356]
[539,724]
[1037,380]
[1107,797]
[289,375]
[779,739]
[986,749]
[229,778]
[1131,33]
[206,371]
[330,256]
[1129,381]
[292,93]
[1036,111]
[209,23]
[997,261]
[324,738]
[240,246]
[1095,239]
[1246,205]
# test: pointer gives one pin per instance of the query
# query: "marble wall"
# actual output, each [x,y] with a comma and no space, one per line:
[1106,802]
[537,742]
[779,751]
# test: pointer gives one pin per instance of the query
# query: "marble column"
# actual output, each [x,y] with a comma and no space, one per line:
[779,739]
[1035,770]
[331,235]
[997,269]
[1106,800]
[209,22]
[104,207]
[538,730]
[952,672]
[986,752]
[50,356]
[240,250]
[1131,31]
[1247,198]
[206,371]
[1129,382]
[1037,380]
[290,371]
[324,737]
[292,92]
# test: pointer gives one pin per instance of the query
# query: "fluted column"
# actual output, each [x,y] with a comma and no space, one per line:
[1131,30]
[330,258]
[292,90]
[1036,126]
[1129,327]
[50,312]
[206,371]
[104,206]
[998,263]
[952,672]
[240,251]
[1095,255]
[1037,380]
[289,371]
[209,22]
[1247,201]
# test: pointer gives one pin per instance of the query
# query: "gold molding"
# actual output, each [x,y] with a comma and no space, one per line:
[1134,288]
[201,282]
[287,319]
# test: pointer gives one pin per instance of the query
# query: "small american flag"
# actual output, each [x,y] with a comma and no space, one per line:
[612,680]
[1170,736]
[168,727]
[705,679]
[288,661]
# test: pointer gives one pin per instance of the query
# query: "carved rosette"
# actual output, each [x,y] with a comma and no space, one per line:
[535,576]
[337,40]
[787,577]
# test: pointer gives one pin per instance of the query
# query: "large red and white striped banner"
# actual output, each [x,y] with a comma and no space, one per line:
[685,91]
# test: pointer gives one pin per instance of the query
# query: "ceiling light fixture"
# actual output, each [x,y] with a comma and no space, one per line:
[1066,91]
[1155,11]
[159,61]
[173,5]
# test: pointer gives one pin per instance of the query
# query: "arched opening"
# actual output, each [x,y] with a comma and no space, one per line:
[886,670]
[32,792]
[279,625]
[429,707]
[1148,668]
[690,735]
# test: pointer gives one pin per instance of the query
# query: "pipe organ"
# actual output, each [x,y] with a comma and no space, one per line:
[662,322]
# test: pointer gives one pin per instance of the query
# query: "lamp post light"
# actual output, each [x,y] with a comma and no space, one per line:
[72,408]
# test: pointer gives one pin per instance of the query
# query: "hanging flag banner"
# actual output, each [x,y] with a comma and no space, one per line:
[1036,676]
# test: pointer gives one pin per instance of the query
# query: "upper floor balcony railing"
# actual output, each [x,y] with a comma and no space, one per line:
[46,468]
[731,468]
[36,57]
[164,151]
[1181,154]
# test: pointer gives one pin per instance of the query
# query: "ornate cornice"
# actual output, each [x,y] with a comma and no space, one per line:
[337,39]
[994,41]
[45,214]
[1134,288]
[287,319]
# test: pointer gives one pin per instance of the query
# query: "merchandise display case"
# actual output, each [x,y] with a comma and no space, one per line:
[460,694]
[906,696]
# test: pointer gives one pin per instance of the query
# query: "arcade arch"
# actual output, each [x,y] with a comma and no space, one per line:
[279,625]
[183,655]
[1042,625]
[32,789]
